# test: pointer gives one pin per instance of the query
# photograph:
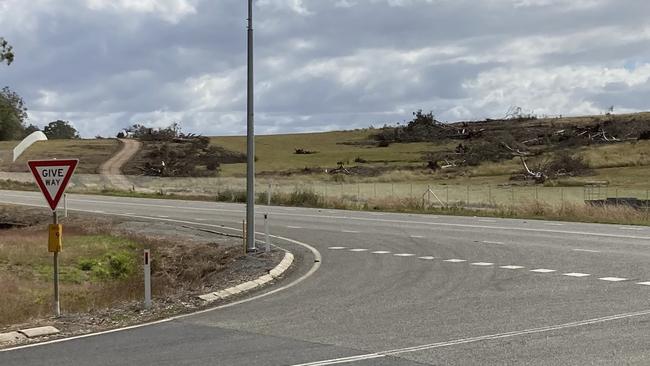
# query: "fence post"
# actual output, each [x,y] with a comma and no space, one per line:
[489,194]
[467,202]
[447,195]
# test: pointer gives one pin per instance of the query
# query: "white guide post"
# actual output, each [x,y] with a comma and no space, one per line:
[147,278]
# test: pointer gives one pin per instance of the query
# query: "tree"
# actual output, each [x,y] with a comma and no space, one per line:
[30,129]
[59,130]
[6,52]
[12,115]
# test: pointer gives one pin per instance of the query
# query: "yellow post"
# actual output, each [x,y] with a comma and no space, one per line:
[55,242]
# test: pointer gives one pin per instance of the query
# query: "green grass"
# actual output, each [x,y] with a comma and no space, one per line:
[275,153]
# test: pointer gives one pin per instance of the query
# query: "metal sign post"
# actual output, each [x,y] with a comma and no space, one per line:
[250,142]
[52,177]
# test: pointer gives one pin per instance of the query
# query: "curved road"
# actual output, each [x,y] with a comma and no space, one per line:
[397,289]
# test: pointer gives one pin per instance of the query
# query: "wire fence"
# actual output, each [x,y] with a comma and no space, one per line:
[431,193]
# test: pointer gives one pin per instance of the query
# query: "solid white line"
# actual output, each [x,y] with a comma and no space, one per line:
[490,337]
[492,242]
[613,279]
[164,217]
[404,255]
[317,263]
[482,264]
[543,270]
[428,257]
[512,267]
[454,260]
[381,252]
[586,250]
[576,274]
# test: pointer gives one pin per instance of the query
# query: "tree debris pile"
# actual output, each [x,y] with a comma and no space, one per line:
[167,152]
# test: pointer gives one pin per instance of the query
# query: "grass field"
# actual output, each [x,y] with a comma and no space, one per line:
[275,153]
[95,271]
[91,153]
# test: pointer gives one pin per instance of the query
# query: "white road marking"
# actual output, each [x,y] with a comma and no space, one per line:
[461,341]
[482,264]
[417,236]
[512,267]
[404,255]
[358,250]
[163,217]
[586,250]
[336,248]
[542,270]
[454,260]
[350,231]
[487,220]
[428,257]
[381,252]
[631,228]
[294,227]
[613,279]
[492,242]
[576,274]
[553,224]
[98,211]
[643,283]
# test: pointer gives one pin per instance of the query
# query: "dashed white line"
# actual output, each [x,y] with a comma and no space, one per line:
[586,250]
[294,227]
[553,224]
[613,279]
[487,220]
[417,236]
[381,252]
[511,267]
[336,248]
[358,250]
[404,255]
[492,242]
[454,260]
[576,274]
[162,217]
[350,231]
[643,283]
[482,264]
[542,270]
[631,228]
[428,257]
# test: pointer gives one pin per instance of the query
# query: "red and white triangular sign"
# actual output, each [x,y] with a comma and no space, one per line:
[52,177]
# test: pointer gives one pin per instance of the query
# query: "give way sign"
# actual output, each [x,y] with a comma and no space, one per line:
[52,177]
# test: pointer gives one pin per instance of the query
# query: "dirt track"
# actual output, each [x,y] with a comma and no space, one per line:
[111,169]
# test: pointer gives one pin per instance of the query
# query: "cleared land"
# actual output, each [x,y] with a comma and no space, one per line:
[91,153]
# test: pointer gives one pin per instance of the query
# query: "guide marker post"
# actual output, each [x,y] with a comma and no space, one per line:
[52,178]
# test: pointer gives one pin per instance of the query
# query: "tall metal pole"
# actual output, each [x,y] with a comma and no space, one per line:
[57,304]
[250,139]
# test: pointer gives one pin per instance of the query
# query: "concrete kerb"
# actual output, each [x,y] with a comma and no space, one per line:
[282,267]
[22,334]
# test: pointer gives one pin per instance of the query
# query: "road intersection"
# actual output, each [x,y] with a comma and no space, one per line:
[398,289]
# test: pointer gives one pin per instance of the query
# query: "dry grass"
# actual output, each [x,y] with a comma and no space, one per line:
[91,154]
[26,273]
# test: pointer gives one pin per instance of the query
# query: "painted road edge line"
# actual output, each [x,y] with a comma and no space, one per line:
[276,272]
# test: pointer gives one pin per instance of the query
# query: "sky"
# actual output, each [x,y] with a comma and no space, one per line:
[322,64]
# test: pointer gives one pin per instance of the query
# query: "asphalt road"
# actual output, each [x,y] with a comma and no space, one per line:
[397,289]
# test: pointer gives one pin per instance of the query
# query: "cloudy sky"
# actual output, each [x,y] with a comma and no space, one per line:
[322,64]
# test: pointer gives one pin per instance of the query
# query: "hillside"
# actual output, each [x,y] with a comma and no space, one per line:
[91,153]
